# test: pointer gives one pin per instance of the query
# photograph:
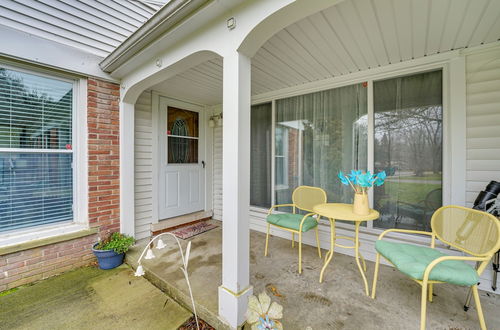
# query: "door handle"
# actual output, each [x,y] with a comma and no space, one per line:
[203,163]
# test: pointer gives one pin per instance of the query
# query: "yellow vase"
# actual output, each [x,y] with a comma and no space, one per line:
[360,205]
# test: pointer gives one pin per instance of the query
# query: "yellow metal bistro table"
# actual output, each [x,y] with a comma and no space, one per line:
[340,211]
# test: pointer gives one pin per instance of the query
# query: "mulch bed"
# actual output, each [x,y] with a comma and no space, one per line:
[191,325]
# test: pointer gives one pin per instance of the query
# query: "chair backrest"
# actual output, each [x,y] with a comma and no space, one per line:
[306,197]
[471,231]
[434,199]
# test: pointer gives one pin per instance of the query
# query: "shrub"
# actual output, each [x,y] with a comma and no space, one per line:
[117,242]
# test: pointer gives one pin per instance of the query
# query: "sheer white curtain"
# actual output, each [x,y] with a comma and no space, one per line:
[317,135]
[408,146]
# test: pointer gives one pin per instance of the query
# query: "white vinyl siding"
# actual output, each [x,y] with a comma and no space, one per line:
[143,163]
[97,27]
[483,121]
[217,172]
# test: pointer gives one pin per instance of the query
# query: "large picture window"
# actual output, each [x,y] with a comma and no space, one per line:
[36,153]
[408,146]
[318,134]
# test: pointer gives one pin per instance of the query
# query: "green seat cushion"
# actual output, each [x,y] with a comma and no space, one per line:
[292,221]
[412,260]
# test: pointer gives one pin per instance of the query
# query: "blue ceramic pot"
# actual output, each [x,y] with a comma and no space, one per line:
[108,259]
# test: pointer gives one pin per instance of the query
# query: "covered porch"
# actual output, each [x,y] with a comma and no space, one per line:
[337,303]
[300,91]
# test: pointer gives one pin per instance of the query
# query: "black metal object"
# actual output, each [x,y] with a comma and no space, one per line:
[489,193]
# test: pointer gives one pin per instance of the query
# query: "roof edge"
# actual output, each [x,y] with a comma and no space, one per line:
[162,21]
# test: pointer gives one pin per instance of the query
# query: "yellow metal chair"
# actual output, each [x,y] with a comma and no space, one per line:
[471,231]
[303,198]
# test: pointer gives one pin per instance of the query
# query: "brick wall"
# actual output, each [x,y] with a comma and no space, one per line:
[104,166]
[32,265]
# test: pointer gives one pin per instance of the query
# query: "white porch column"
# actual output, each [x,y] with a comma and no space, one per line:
[235,288]
[127,135]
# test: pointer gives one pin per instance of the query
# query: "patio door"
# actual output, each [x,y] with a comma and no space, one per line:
[182,169]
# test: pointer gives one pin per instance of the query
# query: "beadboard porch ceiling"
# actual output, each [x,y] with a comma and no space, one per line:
[352,36]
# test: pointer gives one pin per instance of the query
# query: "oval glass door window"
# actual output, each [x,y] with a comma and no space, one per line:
[183,131]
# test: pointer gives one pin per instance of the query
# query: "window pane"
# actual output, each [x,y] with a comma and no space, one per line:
[182,150]
[35,111]
[182,122]
[35,189]
[322,133]
[260,156]
[408,146]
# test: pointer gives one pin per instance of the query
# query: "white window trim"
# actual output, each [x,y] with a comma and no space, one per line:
[452,65]
[80,161]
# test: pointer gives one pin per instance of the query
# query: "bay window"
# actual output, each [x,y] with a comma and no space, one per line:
[36,153]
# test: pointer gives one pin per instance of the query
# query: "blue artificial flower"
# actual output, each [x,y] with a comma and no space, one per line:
[353,177]
[380,178]
[364,180]
[266,324]
[342,178]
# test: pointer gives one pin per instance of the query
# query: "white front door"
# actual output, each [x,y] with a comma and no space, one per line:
[182,174]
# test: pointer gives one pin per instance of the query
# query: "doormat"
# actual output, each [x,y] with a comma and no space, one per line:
[193,230]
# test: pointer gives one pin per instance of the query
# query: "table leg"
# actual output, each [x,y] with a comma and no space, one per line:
[356,249]
[329,254]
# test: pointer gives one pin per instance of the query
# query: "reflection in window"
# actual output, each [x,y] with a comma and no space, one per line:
[182,136]
[408,146]
[36,186]
[325,132]
[260,155]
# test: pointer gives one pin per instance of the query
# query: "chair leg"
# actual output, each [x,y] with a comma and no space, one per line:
[317,242]
[423,306]
[430,292]
[293,240]
[375,276]
[478,307]
[267,239]
[300,253]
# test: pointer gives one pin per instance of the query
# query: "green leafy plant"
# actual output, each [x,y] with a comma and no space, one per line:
[117,242]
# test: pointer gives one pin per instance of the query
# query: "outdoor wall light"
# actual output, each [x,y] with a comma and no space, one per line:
[215,120]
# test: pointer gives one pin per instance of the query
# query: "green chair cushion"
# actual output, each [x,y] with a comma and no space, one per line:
[292,221]
[412,260]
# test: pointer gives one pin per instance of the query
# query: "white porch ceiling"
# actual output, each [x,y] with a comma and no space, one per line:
[352,36]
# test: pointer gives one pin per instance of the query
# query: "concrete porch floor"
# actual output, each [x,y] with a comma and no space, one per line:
[337,303]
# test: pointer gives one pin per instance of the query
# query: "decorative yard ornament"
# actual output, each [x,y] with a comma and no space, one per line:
[262,314]
[150,254]
[160,244]
[139,271]
[184,258]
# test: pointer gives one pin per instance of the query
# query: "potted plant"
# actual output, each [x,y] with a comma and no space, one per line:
[110,252]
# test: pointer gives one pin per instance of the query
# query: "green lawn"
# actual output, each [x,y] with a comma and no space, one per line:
[409,192]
